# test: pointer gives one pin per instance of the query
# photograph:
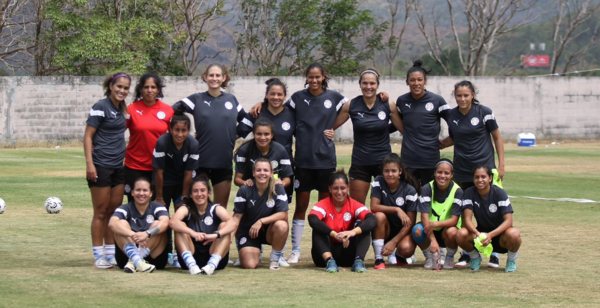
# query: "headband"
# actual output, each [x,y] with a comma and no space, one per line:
[445,161]
[117,76]
[370,71]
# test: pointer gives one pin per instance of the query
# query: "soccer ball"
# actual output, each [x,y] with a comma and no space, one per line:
[53,205]
[2,206]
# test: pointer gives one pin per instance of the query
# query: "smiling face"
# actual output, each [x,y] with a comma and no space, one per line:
[443,175]
[150,91]
[339,191]
[482,179]
[391,173]
[179,131]
[214,78]
[464,97]
[119,89]
[368,85]
[262,172]
[276,96]
[141,192]
[200,194]
[416,82]
[315,79]
[263,136]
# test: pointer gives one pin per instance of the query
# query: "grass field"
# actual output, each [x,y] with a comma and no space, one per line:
[46,260]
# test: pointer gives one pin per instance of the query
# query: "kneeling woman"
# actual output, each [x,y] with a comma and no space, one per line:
[336,239]
[493,213]
[139,227]
[202,231]
[261,212]
[440,208]
[394,202]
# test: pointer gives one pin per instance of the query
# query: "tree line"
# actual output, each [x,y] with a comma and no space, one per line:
[280,37]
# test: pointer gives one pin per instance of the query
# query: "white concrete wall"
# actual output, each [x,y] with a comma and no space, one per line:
[55,108]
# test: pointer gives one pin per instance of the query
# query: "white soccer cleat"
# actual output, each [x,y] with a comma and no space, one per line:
[194,270]
[274,265]
[294,257]
[113,262]
[283,262]
[448,262]
[102,264]
[208,269]
[237,262]
[412,259]
[145,267]
[428,263]
[392,259]
[129,267]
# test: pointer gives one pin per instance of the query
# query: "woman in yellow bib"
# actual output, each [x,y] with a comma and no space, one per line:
[440,208]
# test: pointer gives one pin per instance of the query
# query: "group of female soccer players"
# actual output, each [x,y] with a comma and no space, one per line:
[164,164]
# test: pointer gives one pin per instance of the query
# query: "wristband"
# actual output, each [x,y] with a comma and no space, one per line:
[218,234]
[149,233]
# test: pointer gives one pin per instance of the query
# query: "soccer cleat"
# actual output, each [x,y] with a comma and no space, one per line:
[494,262]
[463,261]
[437,262]
[294,257]
[428,263]
[392,259]
[195,270]
[442,258]
[176,264]
[401,261]
[412,259]
[274,265]
[129,267]
[283,262]
[237,262]
[102,264]
[359,266]
[448,262]
[145,267]
[331,267]
[113,262]
[511,266]
[379,264]
[208,269]
[475,263]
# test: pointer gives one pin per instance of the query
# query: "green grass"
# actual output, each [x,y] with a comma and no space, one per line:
[46,260]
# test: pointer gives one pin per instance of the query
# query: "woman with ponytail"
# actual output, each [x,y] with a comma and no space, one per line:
[261,213]
[104,148]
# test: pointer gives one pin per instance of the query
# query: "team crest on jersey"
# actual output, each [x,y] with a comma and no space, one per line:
[347,216]
[296,184]
[493,208]
[161,115]
[429,106]
[474,121]
[274,164]
[381,115]
[243,241]
[149,219]
[328,104]
[228,105]
[127,188]
[400,201]
[185,157]
[208,220]
[193,174]
[270,203]
[285,126]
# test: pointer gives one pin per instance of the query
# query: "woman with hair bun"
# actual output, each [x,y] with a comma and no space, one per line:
[149,118]
[104,148]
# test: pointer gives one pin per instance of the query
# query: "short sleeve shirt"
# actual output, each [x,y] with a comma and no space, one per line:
[141,221]
[254,207]
[313,116]
[215,120]
[208,223]
[472,140]
[109,139]
[405,197]
[343,220]
[371,131]
[174,162]
[145,124]
[277,155]
[489,211]
[425,199]
[284,122]
[420,143]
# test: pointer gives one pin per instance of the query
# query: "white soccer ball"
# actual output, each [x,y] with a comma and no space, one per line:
[53,205]
[2,206]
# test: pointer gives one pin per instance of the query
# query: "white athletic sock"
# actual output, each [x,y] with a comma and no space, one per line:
[377,247]
[426,252]
[474,254]
[513,255]
[143,252]
[214,260]
[275,254]
[109,252]
[98,252]
[450,252]
[188,258]
[283,249]
[297,230]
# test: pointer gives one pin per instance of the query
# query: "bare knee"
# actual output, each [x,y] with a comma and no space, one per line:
[512,235]
[449,234]
[249,263]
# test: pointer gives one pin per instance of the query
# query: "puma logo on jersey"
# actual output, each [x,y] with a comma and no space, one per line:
[477,203]
[134,220]
[140,112]
[331,215]
[113,114]
[362,115]
[208,103]
[252,202]
[307,101]
[384,193]
[455,122]
[408,105]
[170,155]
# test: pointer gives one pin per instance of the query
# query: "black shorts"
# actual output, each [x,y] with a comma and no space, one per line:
[495,242]
[424,176]
[439,238]
[216,176]
[108,177]
[160,262]
[244,239]
[172,194]
[311,179]
[202,259]
[130,176]
[394,230]
[364,173]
